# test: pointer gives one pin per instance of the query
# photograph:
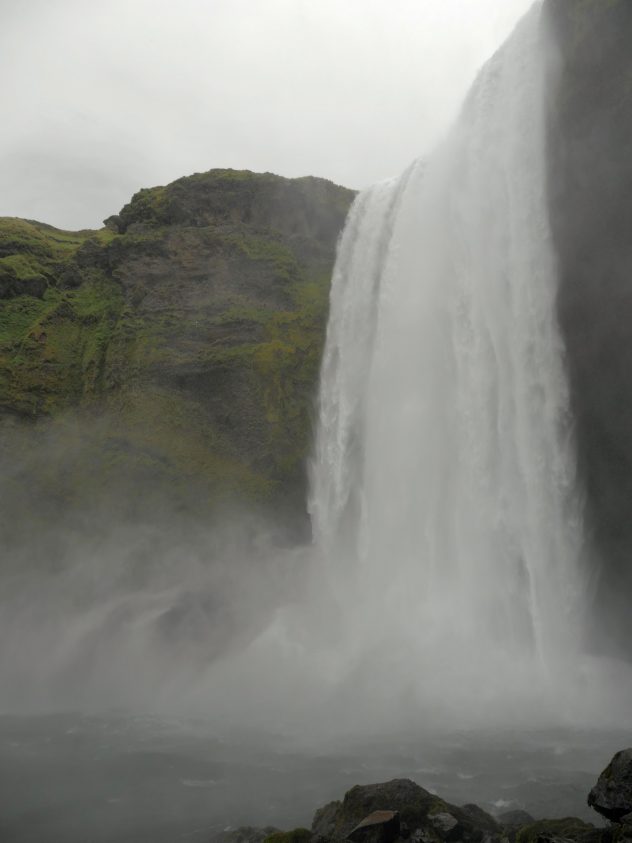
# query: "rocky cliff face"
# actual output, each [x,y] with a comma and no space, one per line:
[590,193]
[177,348]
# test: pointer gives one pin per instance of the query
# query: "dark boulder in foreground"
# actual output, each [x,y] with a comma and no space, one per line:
[419,814]
[612,795]
[378,827]
[400,810]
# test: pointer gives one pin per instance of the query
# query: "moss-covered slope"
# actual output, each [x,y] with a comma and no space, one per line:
[187,334]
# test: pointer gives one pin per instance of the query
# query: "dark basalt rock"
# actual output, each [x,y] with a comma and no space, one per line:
[11,285]
[589,184]
[400,810]
[612,795]
[551,838]
[378,827]
[422,815]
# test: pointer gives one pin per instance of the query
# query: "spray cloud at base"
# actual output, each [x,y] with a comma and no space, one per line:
[447,584]
[447,515]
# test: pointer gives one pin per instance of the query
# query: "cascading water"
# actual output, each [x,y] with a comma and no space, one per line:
[443,491]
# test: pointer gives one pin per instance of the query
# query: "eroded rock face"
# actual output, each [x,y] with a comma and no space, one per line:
[589,183]
[612,795]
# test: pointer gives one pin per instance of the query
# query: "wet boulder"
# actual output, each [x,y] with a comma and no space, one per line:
[422,816]
[612,795]
[377,827]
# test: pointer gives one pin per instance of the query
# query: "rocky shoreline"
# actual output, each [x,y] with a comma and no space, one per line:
[401,810]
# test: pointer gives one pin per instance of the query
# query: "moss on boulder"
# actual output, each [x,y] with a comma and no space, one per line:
[423,815]
[296,835]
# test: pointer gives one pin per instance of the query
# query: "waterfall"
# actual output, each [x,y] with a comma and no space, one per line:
[443,494]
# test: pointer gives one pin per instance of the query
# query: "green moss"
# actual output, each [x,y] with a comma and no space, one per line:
[227,175]
[52,351]
[148,206]
[297,835]
[570,828]
[172,434]
[103,236]
[41,242]
[19,236]
[17,316]
[21,267]
[270,251]
[244,313]
[34,256]
[438,807]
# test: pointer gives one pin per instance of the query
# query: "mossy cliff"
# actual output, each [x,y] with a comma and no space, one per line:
[178,345]
[590,200]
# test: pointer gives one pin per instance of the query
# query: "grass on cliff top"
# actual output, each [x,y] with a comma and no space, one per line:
[29,249]
[38,240]
[150,205]
[223,193]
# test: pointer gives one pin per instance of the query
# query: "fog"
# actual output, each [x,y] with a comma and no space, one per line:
[121,604]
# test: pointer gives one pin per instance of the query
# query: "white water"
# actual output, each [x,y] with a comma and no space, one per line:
[443,490]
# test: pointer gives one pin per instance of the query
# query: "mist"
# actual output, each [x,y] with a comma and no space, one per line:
[121,604]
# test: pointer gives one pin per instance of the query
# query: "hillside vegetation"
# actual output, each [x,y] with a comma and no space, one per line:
[176,349]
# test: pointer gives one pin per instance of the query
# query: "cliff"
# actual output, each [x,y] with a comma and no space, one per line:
[590,199]
[177,349]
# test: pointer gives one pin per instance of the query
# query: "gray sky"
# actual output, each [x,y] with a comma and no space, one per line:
[102,97]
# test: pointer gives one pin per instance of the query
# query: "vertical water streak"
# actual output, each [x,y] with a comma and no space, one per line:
[350,334]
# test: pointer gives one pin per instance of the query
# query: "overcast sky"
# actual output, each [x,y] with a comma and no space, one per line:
[102,97]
